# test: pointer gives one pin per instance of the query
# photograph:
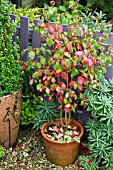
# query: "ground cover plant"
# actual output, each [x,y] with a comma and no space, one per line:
[100,128]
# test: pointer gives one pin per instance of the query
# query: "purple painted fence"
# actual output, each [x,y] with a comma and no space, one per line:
[25,34]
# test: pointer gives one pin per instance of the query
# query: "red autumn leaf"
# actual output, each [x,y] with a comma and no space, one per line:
[18,162]
[67,110]
[72,64]
[69,45]
[63,86]
[62,62]
[50,98]
[90,62]
[59,107]
[24,66]
[47,25]
[79,53]
[81,80]
[44,78]
[60,99]
[53,29]
[54,37]
[72,95]
[80,87]
[65,49]
[64,75]
[71,84]
[40,74]
[56,75]
[19,145]
[59,92]
[79,166]
[60,28]
[46,83]
[71,26]
[89,162]
[60,82]
[51,89]
[79,46]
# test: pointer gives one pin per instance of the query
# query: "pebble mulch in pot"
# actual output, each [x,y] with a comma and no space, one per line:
[29,154]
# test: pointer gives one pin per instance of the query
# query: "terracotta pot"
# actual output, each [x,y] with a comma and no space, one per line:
[10,110]
[61,153]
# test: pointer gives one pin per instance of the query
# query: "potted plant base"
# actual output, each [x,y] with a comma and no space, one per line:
[10,110]
[61,153]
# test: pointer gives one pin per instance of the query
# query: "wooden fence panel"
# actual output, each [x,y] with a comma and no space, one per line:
[111,39]
[27,36]
[109,73]
[36,38]
[24,36]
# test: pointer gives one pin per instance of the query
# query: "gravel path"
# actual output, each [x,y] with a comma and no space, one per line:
[29,154]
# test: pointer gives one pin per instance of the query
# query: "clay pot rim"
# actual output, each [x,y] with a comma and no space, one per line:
[11,94]
[64,142]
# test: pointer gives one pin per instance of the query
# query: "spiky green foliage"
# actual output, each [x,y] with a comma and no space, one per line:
[100,128]
[46,112]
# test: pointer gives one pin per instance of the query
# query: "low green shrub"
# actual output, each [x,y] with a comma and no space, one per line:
[2,151]
[46,112]
[100,140]
[100,128]
[88,163]
[29,109]
[105,5]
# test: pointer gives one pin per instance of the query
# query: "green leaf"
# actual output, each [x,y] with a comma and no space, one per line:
[108,60]
[36,30]
[77,139]
[35,74]
[62,8]
[49,41]
[75,86]
[61,51]
[74,73]
[47,90]
[39,86]
[49,51]
[43,61]
[68,63]
[78,32]
[37,51]
[38,65]
[32,55]
[56,66]
[69,139]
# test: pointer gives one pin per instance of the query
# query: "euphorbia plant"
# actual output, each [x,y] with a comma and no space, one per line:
[66,63]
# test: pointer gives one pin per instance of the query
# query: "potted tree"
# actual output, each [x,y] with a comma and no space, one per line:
[10,80]
[63,67]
